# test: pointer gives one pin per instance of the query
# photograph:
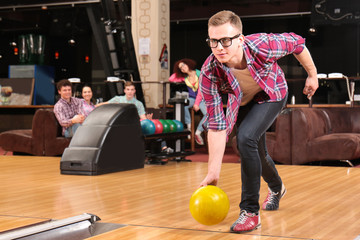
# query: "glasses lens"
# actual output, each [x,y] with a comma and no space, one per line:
[212,42]
[225,42]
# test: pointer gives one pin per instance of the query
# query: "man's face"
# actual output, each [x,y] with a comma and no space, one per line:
[129,92]
[65,92]
[232,53]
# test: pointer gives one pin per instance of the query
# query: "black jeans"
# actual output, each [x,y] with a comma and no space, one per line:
[253,121]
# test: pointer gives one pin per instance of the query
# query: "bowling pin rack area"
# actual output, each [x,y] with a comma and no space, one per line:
[175,140]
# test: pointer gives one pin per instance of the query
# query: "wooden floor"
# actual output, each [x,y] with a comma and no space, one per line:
[152,203]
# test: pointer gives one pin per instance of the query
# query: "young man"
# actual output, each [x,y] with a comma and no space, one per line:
[130,98]
[68,110]
[245,68]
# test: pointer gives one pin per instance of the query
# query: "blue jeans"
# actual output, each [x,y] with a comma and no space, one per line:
[202,109]
[70,131]
[253,121]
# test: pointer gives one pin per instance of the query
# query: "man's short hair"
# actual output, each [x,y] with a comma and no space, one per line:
[226,16]
[128,84]
[63,83]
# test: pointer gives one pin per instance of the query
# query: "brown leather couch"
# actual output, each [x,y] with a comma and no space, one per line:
[304,135]
[325,134]
[44,139]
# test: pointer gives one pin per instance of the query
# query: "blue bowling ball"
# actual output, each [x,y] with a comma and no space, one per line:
[179,125]
[147,127]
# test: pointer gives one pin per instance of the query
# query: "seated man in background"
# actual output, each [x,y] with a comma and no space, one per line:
[68,110]
[129,90]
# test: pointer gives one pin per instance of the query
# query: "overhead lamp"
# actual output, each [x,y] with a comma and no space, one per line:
[312,30]
[72,42]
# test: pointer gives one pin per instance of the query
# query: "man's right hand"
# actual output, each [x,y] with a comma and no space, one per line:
[210,179]
[78,119]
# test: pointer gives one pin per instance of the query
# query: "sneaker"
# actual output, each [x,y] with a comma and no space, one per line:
[198,139]
[246,222]
[273,198]
[167,150]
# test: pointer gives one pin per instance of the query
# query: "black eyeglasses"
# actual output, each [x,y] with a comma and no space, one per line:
[225,42]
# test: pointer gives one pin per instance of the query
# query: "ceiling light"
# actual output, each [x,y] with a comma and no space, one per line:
[71,41]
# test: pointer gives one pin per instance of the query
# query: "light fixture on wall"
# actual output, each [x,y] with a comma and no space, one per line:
[312,30]
[72,41]
[56,55]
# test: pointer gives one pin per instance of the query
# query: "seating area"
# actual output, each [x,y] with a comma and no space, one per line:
[44,139]
[299,136]
[305,135]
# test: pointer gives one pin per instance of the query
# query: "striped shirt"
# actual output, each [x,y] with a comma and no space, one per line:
[65,111]
[261,52]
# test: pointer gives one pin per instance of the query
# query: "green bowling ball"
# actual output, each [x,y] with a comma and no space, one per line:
[166,126]
[173,127]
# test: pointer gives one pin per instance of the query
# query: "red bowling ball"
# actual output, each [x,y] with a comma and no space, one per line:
[158,126]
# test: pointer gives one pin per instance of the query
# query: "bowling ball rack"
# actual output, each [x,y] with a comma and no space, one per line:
[152,143]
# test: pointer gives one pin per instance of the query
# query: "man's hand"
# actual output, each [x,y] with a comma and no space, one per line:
[149,116]
[311,84]
[78,119]
[210,179]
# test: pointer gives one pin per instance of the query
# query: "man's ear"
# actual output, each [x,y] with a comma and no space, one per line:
[242,38]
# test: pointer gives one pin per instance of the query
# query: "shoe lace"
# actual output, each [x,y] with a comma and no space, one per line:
[243,217]
[271,195]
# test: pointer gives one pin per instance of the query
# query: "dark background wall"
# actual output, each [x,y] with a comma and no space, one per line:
[334,47]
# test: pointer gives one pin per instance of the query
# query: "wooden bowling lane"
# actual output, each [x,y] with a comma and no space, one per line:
[11,222]
[321,202]
[147,233]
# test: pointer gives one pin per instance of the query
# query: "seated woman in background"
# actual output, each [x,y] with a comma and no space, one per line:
[186,68]
[88,104]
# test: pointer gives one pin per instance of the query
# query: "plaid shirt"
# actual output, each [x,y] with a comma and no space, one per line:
[261,52]
[65,111]
[87,108]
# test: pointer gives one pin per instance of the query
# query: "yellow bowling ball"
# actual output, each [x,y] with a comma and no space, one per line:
[209,205]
